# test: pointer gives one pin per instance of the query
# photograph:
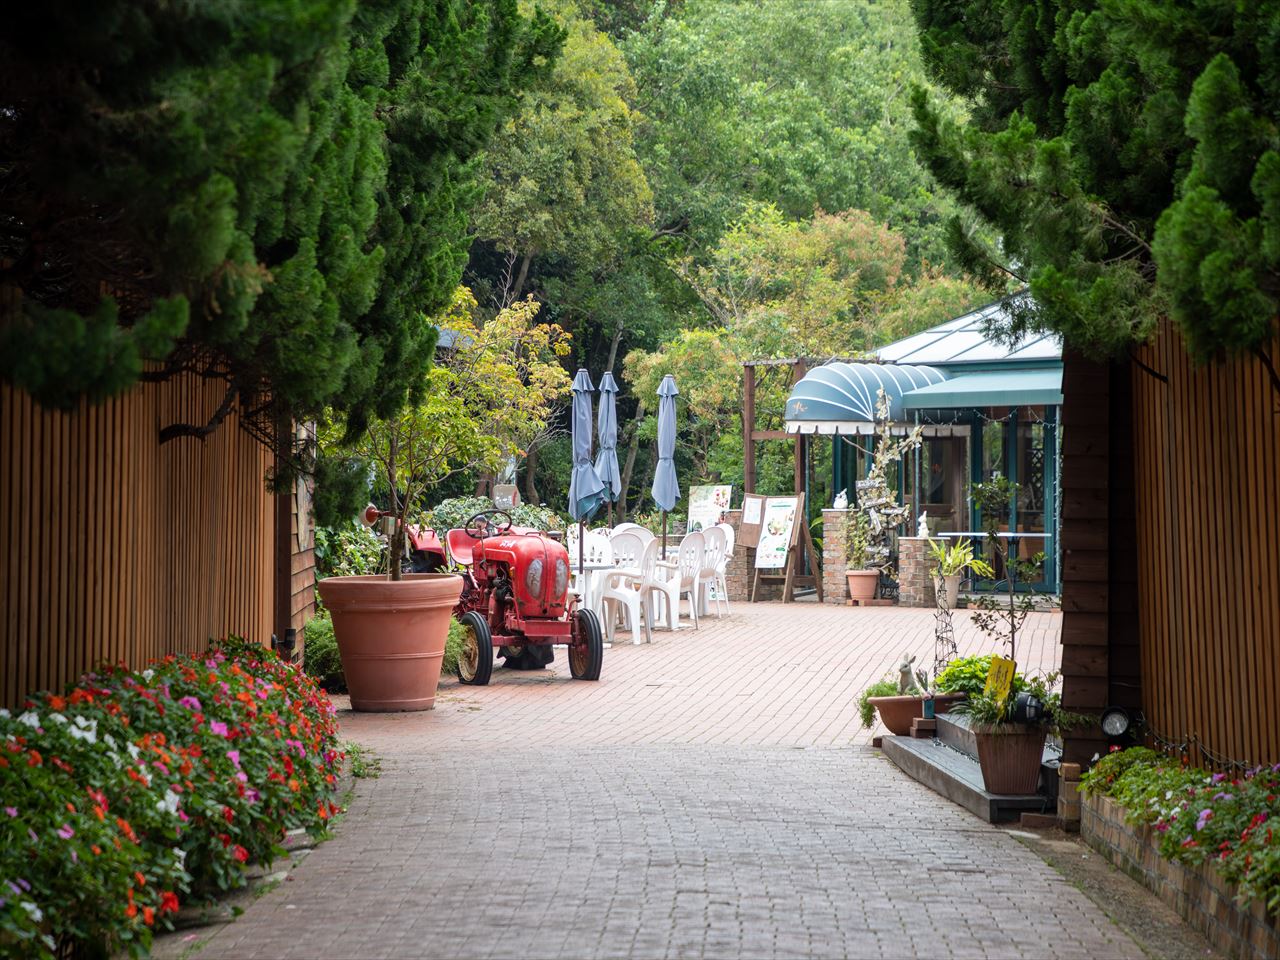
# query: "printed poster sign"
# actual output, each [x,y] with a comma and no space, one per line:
[707,505]
[776,531]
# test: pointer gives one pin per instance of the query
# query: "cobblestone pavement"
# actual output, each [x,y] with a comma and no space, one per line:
[709,797]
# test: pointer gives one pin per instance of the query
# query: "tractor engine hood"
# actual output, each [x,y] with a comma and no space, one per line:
[539,570]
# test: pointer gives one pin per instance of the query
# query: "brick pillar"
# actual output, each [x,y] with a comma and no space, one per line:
[835,527]
[738,570]
[915,580]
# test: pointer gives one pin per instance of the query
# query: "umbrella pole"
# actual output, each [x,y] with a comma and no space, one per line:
[581,546]
[664,534]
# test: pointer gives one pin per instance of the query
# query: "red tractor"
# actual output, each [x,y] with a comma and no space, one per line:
[516,594]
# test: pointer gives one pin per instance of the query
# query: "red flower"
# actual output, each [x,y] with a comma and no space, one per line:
[168,902]
[34,759]
[57,703]
[241,853]
[131,911]
[228,814]
[148,916]
[137,875]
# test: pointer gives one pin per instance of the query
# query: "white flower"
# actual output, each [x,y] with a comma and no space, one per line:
[179,856]
[79,733]
[148,674]
[32,909]
[57,718]
[133,750]
[31,719]
[110,740]
[4,714]
[168,803]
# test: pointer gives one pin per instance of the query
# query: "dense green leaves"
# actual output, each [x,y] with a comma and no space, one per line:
[274,194]
[1125,150]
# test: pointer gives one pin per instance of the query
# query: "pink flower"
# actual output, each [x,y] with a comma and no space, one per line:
[11,811]
[234,756]
[191,703]
[218,727]
[1205,816]
[65,831]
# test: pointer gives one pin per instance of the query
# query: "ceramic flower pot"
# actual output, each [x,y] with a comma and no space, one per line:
[1010,755]
[862,583]
[951,584]
[896,713]
[391,636]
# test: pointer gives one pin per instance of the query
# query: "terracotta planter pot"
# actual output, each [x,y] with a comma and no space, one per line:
[1010,757]
[896,713]
[391,636]
[862,583]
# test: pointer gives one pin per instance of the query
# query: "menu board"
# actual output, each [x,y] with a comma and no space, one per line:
[707,505]
[752,518]
[776,531]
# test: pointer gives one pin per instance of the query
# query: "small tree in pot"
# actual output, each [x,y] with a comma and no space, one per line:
[949,563]
[863,578]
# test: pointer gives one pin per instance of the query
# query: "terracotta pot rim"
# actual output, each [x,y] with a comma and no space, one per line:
[862,573]
[903,697]
[372,593]
[1009,730]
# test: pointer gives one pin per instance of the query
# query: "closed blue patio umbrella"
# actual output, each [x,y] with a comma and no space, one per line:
[666,489]
[607,441]
[586,492]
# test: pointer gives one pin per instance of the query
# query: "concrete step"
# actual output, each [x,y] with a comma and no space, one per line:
[958,777]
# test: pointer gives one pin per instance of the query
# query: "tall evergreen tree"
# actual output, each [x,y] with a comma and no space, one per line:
[273,194]
[1127,153]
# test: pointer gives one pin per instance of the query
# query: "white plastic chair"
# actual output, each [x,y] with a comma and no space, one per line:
[622,587]
[722,571]
[596,549]
[679,578]
[712,570]
[634,528]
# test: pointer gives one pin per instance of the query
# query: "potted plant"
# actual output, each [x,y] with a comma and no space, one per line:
[863,579]
[1010,731]
[901,701]
[950,562]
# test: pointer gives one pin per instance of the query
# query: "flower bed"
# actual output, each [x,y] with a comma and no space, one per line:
[1216,836]
[136,790]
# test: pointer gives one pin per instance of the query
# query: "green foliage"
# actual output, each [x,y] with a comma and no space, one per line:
[1001,617]
[273,196]
[1127,155]
[451,514]
[997,712]
[968,675]
[349,549]
[321,660]
[858,553]
[954,557]
[453,647]
[799,104]
[1201,817]
[364,764]
[563,178]
[881,688]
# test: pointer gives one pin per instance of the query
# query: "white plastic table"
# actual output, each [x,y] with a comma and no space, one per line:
[591,578]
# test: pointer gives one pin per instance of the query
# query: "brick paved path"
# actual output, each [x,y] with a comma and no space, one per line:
[670,811]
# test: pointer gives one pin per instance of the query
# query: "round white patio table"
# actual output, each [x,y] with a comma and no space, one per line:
[591,577]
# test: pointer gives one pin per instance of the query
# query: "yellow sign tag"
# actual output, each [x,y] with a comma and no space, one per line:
[999,678]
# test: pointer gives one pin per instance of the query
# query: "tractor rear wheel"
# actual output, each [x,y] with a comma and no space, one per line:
[475,660]
[586,655]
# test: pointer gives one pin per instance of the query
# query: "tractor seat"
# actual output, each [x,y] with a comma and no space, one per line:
[461,544]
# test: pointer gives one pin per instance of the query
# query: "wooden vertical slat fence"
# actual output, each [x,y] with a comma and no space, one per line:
[1207,497]
[117,548]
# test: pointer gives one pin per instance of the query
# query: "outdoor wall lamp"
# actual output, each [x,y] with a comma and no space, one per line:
[1115,722]
[1027,708]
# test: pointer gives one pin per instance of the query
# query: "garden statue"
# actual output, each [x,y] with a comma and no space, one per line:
[922,526]
[906,680]
[841,501]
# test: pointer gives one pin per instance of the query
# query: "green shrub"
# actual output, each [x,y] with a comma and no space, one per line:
[1200,816]
[349,550]
[452,648]
[320,654]
[881,688]
[449,514]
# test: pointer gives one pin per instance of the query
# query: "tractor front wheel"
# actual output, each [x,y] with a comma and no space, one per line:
[475,660]
[586,653]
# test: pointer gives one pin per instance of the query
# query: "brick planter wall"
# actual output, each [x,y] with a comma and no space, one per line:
[915,582]
[835,526]
[1199,894]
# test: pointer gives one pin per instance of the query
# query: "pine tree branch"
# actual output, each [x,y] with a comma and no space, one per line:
[176,430]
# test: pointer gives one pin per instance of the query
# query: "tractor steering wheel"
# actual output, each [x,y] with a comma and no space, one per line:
[489,529]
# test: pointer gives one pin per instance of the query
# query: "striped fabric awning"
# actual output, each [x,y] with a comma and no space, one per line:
[841,397]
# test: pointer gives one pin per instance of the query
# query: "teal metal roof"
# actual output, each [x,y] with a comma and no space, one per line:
[963,341]
[1010,387]
[843,392]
